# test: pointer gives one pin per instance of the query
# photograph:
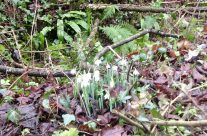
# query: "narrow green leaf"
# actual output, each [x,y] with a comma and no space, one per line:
[75,27]
[60,30]
[82,23]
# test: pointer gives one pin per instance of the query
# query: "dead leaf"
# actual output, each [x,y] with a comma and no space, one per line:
[204,66]
[205,28]
[23,100]
[197,76]
[116,91]
[113,131]
[103,119]
[161,80]
[171,53]
[184,45]
[172,116]
[169,92]
[155,48]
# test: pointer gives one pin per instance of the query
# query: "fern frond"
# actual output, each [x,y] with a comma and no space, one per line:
[129,27]
[117,33]
[109,11]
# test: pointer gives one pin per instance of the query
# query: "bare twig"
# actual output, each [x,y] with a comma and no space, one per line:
[17,80]
[197,123]
[6,32]
[131,38]
[127,119]
[93,33]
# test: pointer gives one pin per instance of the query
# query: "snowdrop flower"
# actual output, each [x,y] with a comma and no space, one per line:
[123,62]
[108,66]
[115,68]
[96,75]
[86,77]
[107,95]
[84,80]
[136,72]
[73,71]
[79,79]
[97,62]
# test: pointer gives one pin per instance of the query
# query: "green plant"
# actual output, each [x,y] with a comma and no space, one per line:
[13,116]
[71,132]
[109,12]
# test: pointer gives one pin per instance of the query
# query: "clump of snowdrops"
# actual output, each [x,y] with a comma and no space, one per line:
[97,87]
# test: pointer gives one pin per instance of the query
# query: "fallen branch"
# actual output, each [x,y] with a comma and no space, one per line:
[131,38]
[93,33]
[132,7]
[35,72]
[197,123]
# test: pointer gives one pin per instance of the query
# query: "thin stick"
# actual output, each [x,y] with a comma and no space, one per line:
[197,123]
[32,32]
[127,119]
[17,80]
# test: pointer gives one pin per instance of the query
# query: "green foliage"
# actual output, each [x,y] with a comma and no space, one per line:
[149,22]
[71,132]
[13,116]
[119,32]
[109,12]
[68,118]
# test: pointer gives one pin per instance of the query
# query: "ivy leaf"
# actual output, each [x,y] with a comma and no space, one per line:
[46,103]
[156,114]
[65,101]
[60,30]
[14,116]
[71,132]
[68,118]
[75,27]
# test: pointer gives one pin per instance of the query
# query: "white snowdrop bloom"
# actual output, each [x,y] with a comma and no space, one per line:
[73,71]
[108,66]
[97,62]
[79,79]
[114,68]
[84,79]
[136,72]
[85,84]
[112,83]
[123,62]
[87,77]
[96,75]
[107,95]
